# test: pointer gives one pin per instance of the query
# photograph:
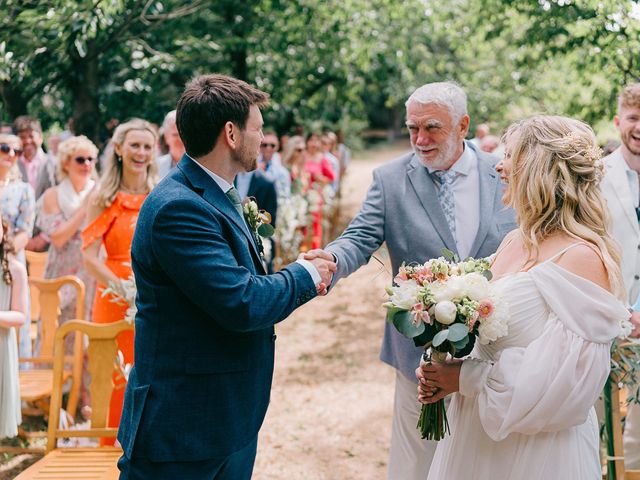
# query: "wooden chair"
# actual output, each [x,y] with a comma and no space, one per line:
[615,407]
[98,463]
[36,384]
[36,262]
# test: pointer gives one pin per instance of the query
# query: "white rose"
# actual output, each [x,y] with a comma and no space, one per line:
[445,312]
[440,291]
[405,295]
[491,330]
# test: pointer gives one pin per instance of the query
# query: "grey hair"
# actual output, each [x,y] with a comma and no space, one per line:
[168,118]
[447,94]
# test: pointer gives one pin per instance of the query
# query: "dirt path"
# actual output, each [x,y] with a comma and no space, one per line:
[330,413]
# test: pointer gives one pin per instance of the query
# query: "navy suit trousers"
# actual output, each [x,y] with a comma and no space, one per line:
[237,466]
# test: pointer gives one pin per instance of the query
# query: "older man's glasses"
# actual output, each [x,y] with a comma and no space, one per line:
[84,160]
[269,145]
[6,148]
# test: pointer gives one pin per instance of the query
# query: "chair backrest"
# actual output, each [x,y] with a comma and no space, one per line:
[49,299]
[36,262]
[102,354]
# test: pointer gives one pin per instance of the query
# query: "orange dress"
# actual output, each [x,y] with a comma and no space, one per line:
[115,226]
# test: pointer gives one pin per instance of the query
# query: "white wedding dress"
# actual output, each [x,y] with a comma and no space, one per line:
[525,406]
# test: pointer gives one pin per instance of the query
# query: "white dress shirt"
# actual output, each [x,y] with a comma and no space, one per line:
[226,186]
[466,192]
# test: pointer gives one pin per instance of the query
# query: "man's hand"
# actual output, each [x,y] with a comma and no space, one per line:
[635,321]
[326,269]
[313,254]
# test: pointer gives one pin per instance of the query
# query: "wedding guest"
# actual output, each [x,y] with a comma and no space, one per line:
[174,143]
[13,312]
[17,206]
[61,218]
[523,406]
[293,160]
[445,194]
[482,130]
[344,153]
[329,142]
[321,173]
[112,215]
[37,169]
[270,163]
[621,189]
[489,143]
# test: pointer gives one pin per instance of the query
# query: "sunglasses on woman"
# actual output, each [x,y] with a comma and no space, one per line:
[84,160]
[5,148]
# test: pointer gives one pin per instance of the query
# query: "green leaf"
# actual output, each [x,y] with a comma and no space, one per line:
[449,255]
[457,332]
[440,337]
[460,344]
[487,274]
[403,321]
[425,337]
[265,230]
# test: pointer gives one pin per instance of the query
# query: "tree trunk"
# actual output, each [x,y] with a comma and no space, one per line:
[86,108]
[14,101]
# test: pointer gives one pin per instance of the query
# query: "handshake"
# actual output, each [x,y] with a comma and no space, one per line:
[325,263]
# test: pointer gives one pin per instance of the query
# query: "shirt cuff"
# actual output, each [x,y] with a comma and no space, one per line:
[313,271]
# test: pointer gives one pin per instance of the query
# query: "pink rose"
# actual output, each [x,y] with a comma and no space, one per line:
[485,309]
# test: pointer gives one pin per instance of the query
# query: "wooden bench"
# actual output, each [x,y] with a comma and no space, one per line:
[69,463]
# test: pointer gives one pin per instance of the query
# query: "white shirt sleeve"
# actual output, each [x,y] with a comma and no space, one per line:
[313,271]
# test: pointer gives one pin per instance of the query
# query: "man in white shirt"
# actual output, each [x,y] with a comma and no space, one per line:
[174,142]
[621,189]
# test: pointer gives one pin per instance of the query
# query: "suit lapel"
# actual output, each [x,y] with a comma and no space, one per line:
[214,195]
[621,189]
[488,184]
[428,196]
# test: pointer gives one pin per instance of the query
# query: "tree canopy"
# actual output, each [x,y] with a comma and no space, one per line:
[344,64]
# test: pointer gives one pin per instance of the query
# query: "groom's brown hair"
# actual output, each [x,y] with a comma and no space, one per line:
[207,103]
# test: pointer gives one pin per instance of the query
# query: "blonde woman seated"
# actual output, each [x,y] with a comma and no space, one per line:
[13,313]
[523,405]
[62,216]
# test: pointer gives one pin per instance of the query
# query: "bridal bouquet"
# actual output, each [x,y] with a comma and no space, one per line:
[444,305]
[124,291]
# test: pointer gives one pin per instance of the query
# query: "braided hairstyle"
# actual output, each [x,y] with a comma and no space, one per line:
[6,248]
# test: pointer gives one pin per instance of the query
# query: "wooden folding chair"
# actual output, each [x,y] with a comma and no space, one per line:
[98,463]
[36,384]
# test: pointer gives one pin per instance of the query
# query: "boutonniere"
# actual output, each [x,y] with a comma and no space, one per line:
[259,222]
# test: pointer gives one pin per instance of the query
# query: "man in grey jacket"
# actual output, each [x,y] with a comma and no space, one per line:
[445,194]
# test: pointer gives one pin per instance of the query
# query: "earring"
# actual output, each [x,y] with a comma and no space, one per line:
[118,158]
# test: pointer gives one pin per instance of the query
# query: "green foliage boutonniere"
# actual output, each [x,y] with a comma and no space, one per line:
[259,222]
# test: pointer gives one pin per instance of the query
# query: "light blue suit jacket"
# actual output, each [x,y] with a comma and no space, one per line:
[403,210]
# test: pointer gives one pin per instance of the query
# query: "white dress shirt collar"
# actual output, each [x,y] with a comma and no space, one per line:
[222,183]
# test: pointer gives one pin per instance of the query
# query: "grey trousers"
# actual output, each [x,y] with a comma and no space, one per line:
[409,456]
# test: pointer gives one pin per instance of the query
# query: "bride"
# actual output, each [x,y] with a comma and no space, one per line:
[523,405]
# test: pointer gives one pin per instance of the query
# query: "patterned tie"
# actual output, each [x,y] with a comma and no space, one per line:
[236,201]
[447,200]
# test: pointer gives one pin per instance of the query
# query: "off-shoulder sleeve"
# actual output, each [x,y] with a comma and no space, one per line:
[551,384]
[100,225]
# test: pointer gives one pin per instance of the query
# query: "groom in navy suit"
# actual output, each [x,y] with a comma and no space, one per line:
[204,345]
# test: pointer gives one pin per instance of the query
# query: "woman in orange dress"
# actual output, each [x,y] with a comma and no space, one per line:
[321,173]
[113,212]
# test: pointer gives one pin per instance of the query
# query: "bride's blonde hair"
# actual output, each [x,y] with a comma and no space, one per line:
[553,187]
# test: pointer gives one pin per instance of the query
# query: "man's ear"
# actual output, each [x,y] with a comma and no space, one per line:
[231,135]
[464,126]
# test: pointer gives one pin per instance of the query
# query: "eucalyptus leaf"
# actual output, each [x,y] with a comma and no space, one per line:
[266,230]
[487,274]
[440,337]
[449,255]
[460,344]
[466,350]
[403,321]
[425,337]
[457,332]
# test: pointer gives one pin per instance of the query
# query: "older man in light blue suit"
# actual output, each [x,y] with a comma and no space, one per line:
[445,194]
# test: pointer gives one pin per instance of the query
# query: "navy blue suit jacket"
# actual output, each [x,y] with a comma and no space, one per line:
[204,342]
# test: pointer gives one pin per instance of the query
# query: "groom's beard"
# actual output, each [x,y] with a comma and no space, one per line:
[248,160]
